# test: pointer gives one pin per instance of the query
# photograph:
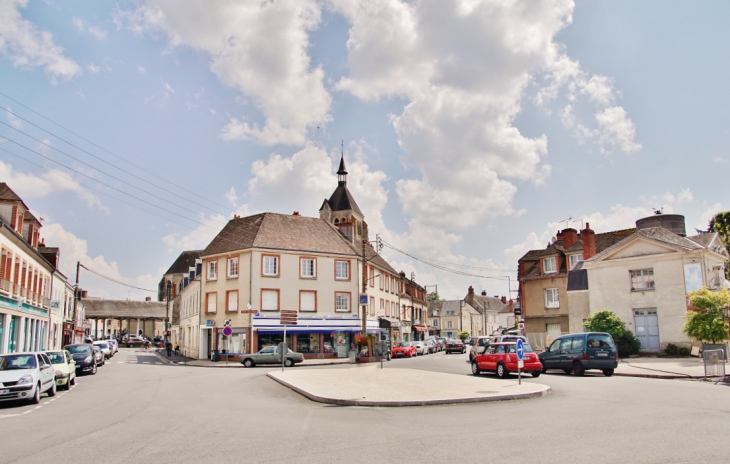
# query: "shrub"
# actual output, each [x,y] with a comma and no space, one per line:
[607,321]
[627,343]
[463,335]
[674,350]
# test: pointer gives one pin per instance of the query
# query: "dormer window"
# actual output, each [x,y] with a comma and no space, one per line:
[575,259]
[548,266]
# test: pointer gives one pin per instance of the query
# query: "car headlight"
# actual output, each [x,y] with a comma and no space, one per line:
[88,359]
[59,373]
[26,379]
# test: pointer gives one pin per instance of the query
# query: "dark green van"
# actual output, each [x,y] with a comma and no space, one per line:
[577,352]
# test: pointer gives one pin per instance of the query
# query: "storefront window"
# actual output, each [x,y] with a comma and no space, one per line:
[235,344]
[307,343]
[328,342]
[269,339]
[343,342]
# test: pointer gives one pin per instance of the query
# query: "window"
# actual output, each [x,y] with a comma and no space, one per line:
[233,267]
[211,301]
[342,270]
[435,322]
[380,280]
[307,301]
[551,298]
[382,306]
[575,259]
[269,300]
[387,283]
[372,277]
[232,300]
[342,302]
[308,268]
[212,270]
[270,265]
[548,266]
[372,305]
[643,279]
[449,324]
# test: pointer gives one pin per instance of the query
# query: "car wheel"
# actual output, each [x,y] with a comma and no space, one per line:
[471,358]
[52,390]
[103,362]
[501,371]
[72,381]
[288,362]
[543,369]
[37,395]
[536,373]
[608,372]
[248,362]
[93,369]
[568,371]
[475,368]
[578,369]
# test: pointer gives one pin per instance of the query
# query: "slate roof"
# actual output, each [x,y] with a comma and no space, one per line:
[578,278]
[703,239]
[184,262]
[490,303]
[443,306]
[7,194]
[124,309]
[342,200]
[659,234]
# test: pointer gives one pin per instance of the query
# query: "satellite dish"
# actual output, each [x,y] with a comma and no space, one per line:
[553,240]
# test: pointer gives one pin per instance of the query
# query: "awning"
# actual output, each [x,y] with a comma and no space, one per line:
[420,328]
[388,323]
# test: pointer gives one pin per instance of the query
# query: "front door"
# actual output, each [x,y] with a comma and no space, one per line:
[647,328]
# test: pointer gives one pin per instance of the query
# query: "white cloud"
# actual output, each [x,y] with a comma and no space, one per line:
[93,69]
[167,89]
[273,69]
[141,69]
[52,182]
[616,129]
[27,46]
[14,120]
[231,196]
[721,160]
[84,28]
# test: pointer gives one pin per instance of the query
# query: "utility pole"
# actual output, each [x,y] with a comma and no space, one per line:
[364,290]
[76,296]
[168,293]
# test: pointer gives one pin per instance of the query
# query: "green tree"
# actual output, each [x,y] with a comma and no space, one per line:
[433,296]
[705,322]
[463,335]
[720,223]
[607,321]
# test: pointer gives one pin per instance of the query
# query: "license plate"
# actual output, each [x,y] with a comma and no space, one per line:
[602,354]
[4,392]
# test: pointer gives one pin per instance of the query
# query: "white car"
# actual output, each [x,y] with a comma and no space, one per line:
[104,347]
[24,376]
[421,348]
[113,345]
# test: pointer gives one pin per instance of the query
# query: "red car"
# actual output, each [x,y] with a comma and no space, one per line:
[404,349]
[502,359]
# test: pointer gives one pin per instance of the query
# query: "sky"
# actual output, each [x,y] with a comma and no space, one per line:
[472,130]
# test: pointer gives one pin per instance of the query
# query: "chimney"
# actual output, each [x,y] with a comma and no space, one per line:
[484,293]
[570,237]
[236,216]
[511,306]
[471,292]
[504,299]
[149,298]
[296,213]
[559,236]
[589,242]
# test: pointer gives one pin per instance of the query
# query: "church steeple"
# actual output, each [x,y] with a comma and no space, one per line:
[342,173]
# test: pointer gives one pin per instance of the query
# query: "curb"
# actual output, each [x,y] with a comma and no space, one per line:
[236,364]
[659,376]
[356,402]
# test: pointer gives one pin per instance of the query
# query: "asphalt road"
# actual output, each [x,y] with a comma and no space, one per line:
[138,410]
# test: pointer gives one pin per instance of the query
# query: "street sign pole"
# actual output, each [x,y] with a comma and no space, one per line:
[520,357]
[283,347]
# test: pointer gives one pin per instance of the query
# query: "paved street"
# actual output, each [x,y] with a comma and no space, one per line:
[137,408]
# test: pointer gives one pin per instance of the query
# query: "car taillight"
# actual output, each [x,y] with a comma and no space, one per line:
[615,356]
[585,356]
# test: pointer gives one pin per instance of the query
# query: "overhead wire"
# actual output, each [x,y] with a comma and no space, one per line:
[116,281]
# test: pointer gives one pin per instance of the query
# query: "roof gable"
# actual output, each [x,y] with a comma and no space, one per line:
[647,242]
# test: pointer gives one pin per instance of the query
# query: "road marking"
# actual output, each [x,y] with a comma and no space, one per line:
[122,362]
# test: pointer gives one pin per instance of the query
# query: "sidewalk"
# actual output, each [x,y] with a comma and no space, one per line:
[664,368]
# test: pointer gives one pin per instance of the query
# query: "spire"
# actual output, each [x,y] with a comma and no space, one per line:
[342,173]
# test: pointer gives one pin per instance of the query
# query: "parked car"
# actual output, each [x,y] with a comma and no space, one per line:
[481,342]
[135,341]
[98,355]
[24,376]
[114,345]
[577,352]
[83,356]
[421,348]
[105,348]
[442,343]
[501,358]
[431,345]
[272,355]
[455,346]
[65,368]
[404,349]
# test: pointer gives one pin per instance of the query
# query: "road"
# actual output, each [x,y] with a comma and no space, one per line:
[137,409]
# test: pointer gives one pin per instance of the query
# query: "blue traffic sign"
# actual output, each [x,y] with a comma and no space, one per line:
[520,349]
[227,331]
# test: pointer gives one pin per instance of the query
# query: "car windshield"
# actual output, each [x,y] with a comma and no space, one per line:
[96,348]
[79,349]
[103,345]
[56,357]
[17,361]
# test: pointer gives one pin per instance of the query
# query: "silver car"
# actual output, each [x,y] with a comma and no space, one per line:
[104,347]
[421,347]
[24,376]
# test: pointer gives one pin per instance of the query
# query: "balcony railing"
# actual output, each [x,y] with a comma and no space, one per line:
[24,294]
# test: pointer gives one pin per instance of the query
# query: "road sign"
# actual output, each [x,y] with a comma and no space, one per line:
[363,299]
[248,311]
[227,331]
[520,364]
[288,317]
[520,350]
[288,313]
[521,326]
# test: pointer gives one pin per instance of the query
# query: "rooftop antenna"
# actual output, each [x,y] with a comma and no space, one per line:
[658,210]
[567,221]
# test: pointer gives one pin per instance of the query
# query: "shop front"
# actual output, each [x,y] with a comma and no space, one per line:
[391,330]
[315,338]
[418,332]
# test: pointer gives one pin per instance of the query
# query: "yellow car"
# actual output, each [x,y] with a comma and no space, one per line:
[65,367]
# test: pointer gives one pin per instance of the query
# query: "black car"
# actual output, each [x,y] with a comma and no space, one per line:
[455,346]
[100,358]
[84,357]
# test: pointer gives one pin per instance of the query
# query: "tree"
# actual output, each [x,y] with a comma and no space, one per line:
[607,321]
[433,296]
[720,223]
[463,335]
[704,319]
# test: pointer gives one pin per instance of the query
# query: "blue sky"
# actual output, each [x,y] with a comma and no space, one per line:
[471,129]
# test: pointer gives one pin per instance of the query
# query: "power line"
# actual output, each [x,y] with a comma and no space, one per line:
[116,281]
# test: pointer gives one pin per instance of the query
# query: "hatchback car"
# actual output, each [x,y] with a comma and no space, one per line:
[421,348]
[479,343]
[272,355]
[65,368]
[455,346]
[502,358]
[24,376]
[98,355]
[83,356]
[405,349]
[113,345]
[105,348]
[135,341]
[577,352]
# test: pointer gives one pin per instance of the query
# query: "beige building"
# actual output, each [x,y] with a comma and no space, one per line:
[454,316]
[496,313]
[645,278]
